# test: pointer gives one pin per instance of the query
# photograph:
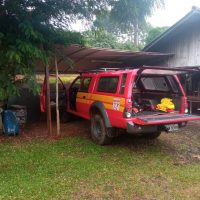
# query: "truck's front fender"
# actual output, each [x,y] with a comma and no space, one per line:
[101,109]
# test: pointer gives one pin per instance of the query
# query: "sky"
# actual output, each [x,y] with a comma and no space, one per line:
[174,10]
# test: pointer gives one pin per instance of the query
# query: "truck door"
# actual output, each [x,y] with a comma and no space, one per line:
[61,94]
[73,90]
[83,97]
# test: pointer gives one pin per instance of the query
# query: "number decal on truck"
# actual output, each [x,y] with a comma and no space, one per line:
[116,105]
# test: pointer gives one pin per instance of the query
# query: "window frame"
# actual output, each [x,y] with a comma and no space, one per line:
[106,91]
[74,82]
[123,83]
[82,80]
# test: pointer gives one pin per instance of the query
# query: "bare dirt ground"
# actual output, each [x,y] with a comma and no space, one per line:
[183,145]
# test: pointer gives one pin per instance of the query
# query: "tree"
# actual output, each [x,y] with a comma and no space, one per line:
[100,38]
[30,28]
[104,39]
[153,33]
[128,17]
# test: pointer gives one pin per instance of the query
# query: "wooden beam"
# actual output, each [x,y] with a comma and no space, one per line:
[57,100]
[48,106]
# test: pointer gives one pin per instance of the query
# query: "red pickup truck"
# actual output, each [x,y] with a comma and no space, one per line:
[140,101]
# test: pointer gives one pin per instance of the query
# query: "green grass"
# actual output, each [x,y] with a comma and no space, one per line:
[66,79]
[76,168]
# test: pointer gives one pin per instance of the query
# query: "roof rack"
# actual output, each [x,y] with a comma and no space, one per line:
[101,70]
[144,67]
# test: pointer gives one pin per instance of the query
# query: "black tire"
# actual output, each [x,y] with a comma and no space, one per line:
[99,132]
[151,136]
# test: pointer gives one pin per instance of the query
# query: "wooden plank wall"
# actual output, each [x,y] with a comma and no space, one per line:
[186,47]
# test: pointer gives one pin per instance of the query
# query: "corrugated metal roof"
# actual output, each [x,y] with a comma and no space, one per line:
[178,28]
[74,57]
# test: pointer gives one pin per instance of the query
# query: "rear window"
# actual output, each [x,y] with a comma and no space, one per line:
[173,84]
[108,84]
[155,83]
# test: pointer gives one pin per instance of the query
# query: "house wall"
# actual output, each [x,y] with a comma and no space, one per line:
[184,44]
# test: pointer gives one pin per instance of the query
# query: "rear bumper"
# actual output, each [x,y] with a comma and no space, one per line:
[138,129]
[132,128]
[152,123]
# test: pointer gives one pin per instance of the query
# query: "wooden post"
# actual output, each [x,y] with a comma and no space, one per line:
[48,106]
[57,100]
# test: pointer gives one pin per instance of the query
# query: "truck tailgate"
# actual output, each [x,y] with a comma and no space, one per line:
[165,119]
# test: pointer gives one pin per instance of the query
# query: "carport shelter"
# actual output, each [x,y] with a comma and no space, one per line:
[75,59]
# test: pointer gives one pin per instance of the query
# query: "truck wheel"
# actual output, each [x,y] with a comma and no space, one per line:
[151,136]
[99,132]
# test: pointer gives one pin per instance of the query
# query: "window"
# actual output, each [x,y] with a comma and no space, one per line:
[173,84]
[77,83]
[123,83]
[108,84]
[52,81]
[85,84]
[155,83]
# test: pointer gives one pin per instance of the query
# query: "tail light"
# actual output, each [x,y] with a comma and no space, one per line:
[186,110]
[186,107]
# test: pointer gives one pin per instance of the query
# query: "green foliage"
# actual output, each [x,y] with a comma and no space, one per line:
[153,33]
[30,29]
[128,17]
[20,48]
[128,45]
[100,38]
[128,13]
[68,37]
[28,32]
[104,39]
